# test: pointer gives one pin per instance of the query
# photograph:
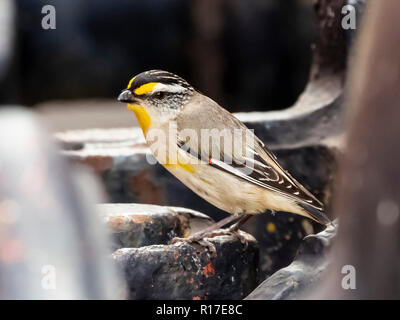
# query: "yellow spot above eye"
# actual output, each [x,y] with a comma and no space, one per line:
[130,82]
[185,166]
[142,116]
[145,88]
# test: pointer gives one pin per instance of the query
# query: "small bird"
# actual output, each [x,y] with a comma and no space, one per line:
[250,182]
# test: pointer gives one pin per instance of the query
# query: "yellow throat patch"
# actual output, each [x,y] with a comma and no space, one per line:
[141,115]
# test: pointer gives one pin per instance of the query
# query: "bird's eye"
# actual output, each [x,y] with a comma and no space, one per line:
[159,95]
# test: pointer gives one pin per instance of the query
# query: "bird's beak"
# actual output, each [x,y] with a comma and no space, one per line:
[126,96]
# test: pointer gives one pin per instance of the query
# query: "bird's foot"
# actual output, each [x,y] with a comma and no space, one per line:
[235,232]
[201,238]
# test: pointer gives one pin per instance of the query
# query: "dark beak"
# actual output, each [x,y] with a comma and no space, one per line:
[126,96]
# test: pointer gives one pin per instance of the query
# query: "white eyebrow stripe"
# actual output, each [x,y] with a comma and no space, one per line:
[168,77]
[168,87]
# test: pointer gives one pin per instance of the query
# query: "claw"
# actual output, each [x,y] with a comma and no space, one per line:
[199,240]
[210,247]
[233,231]
[177,239]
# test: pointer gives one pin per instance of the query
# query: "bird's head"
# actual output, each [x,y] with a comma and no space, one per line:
[158,93]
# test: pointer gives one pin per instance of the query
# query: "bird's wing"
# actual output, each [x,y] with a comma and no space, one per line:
[260,168]
[272,173]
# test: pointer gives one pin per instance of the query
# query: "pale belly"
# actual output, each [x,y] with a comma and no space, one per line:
[222,189]
[225,190]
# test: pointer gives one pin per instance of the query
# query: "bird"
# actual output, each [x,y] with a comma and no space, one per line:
[241,176]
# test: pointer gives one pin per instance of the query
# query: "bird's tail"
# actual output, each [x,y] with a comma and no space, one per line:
[314,213]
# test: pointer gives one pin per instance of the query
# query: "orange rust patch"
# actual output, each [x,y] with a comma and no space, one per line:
[139,218]
[146,190]
[271,228]
[196,298]
[116,223]
[176,254]
[208,270]
[98,163]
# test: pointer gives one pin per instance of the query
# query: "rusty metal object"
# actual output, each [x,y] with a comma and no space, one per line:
[138,225]
[154,269]
[303,274]
[367,200]
[184,271]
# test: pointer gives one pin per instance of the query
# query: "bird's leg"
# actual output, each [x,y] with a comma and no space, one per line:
[234,229]
[207,231]
[213,231]
[239,223]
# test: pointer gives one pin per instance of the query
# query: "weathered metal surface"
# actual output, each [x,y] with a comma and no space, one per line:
[367,252]
[137,225]
[156,270]
[303,274]
[185,271]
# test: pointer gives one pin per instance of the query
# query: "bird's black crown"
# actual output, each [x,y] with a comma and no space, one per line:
[161,76]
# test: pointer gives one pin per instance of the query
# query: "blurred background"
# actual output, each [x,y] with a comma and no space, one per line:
[252,55]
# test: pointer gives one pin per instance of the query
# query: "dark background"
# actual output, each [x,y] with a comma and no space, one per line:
[247,55]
